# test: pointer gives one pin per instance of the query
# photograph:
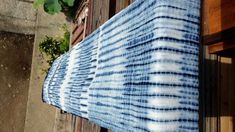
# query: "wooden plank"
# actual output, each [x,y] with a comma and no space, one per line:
[100,13]
[121,4]
[78,124]
[90,17]
[225,35]
[112,8]
[78,39]
[218,15]
[222,48]
[64,122]
[219,26]
[75,27]
[89,126]
[79,23]
[131,1]
[77,34]
[218,19]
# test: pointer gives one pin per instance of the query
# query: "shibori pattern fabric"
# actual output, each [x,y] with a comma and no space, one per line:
[137,72]
[67,83]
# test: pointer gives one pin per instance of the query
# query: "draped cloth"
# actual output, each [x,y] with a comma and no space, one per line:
[136,72]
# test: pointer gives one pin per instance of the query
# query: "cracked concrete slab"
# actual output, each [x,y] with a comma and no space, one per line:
[17,16]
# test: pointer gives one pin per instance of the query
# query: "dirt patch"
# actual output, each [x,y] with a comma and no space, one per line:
[15,66]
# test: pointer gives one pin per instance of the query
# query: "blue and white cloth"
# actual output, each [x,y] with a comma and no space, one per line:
[137,72]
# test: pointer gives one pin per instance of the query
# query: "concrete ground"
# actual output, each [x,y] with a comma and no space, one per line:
[41,117]
[15,66]
[17,16]
[21,74]
[17,28]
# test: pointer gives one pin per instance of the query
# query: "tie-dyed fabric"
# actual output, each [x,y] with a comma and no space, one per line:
[137,72]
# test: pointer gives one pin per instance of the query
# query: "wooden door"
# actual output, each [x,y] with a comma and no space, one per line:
[218,66]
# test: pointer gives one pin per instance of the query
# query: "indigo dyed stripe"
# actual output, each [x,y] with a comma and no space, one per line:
[137,72]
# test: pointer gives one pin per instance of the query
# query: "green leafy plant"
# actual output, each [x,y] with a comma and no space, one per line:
[54,47]
[55,6]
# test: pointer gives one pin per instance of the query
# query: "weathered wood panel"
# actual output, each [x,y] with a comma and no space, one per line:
[121,4]
[88,126]
[78,34]
[219,24]
[100,13]
[79,27]
[222,48]
[218,15]
[89,17]
[64,122]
